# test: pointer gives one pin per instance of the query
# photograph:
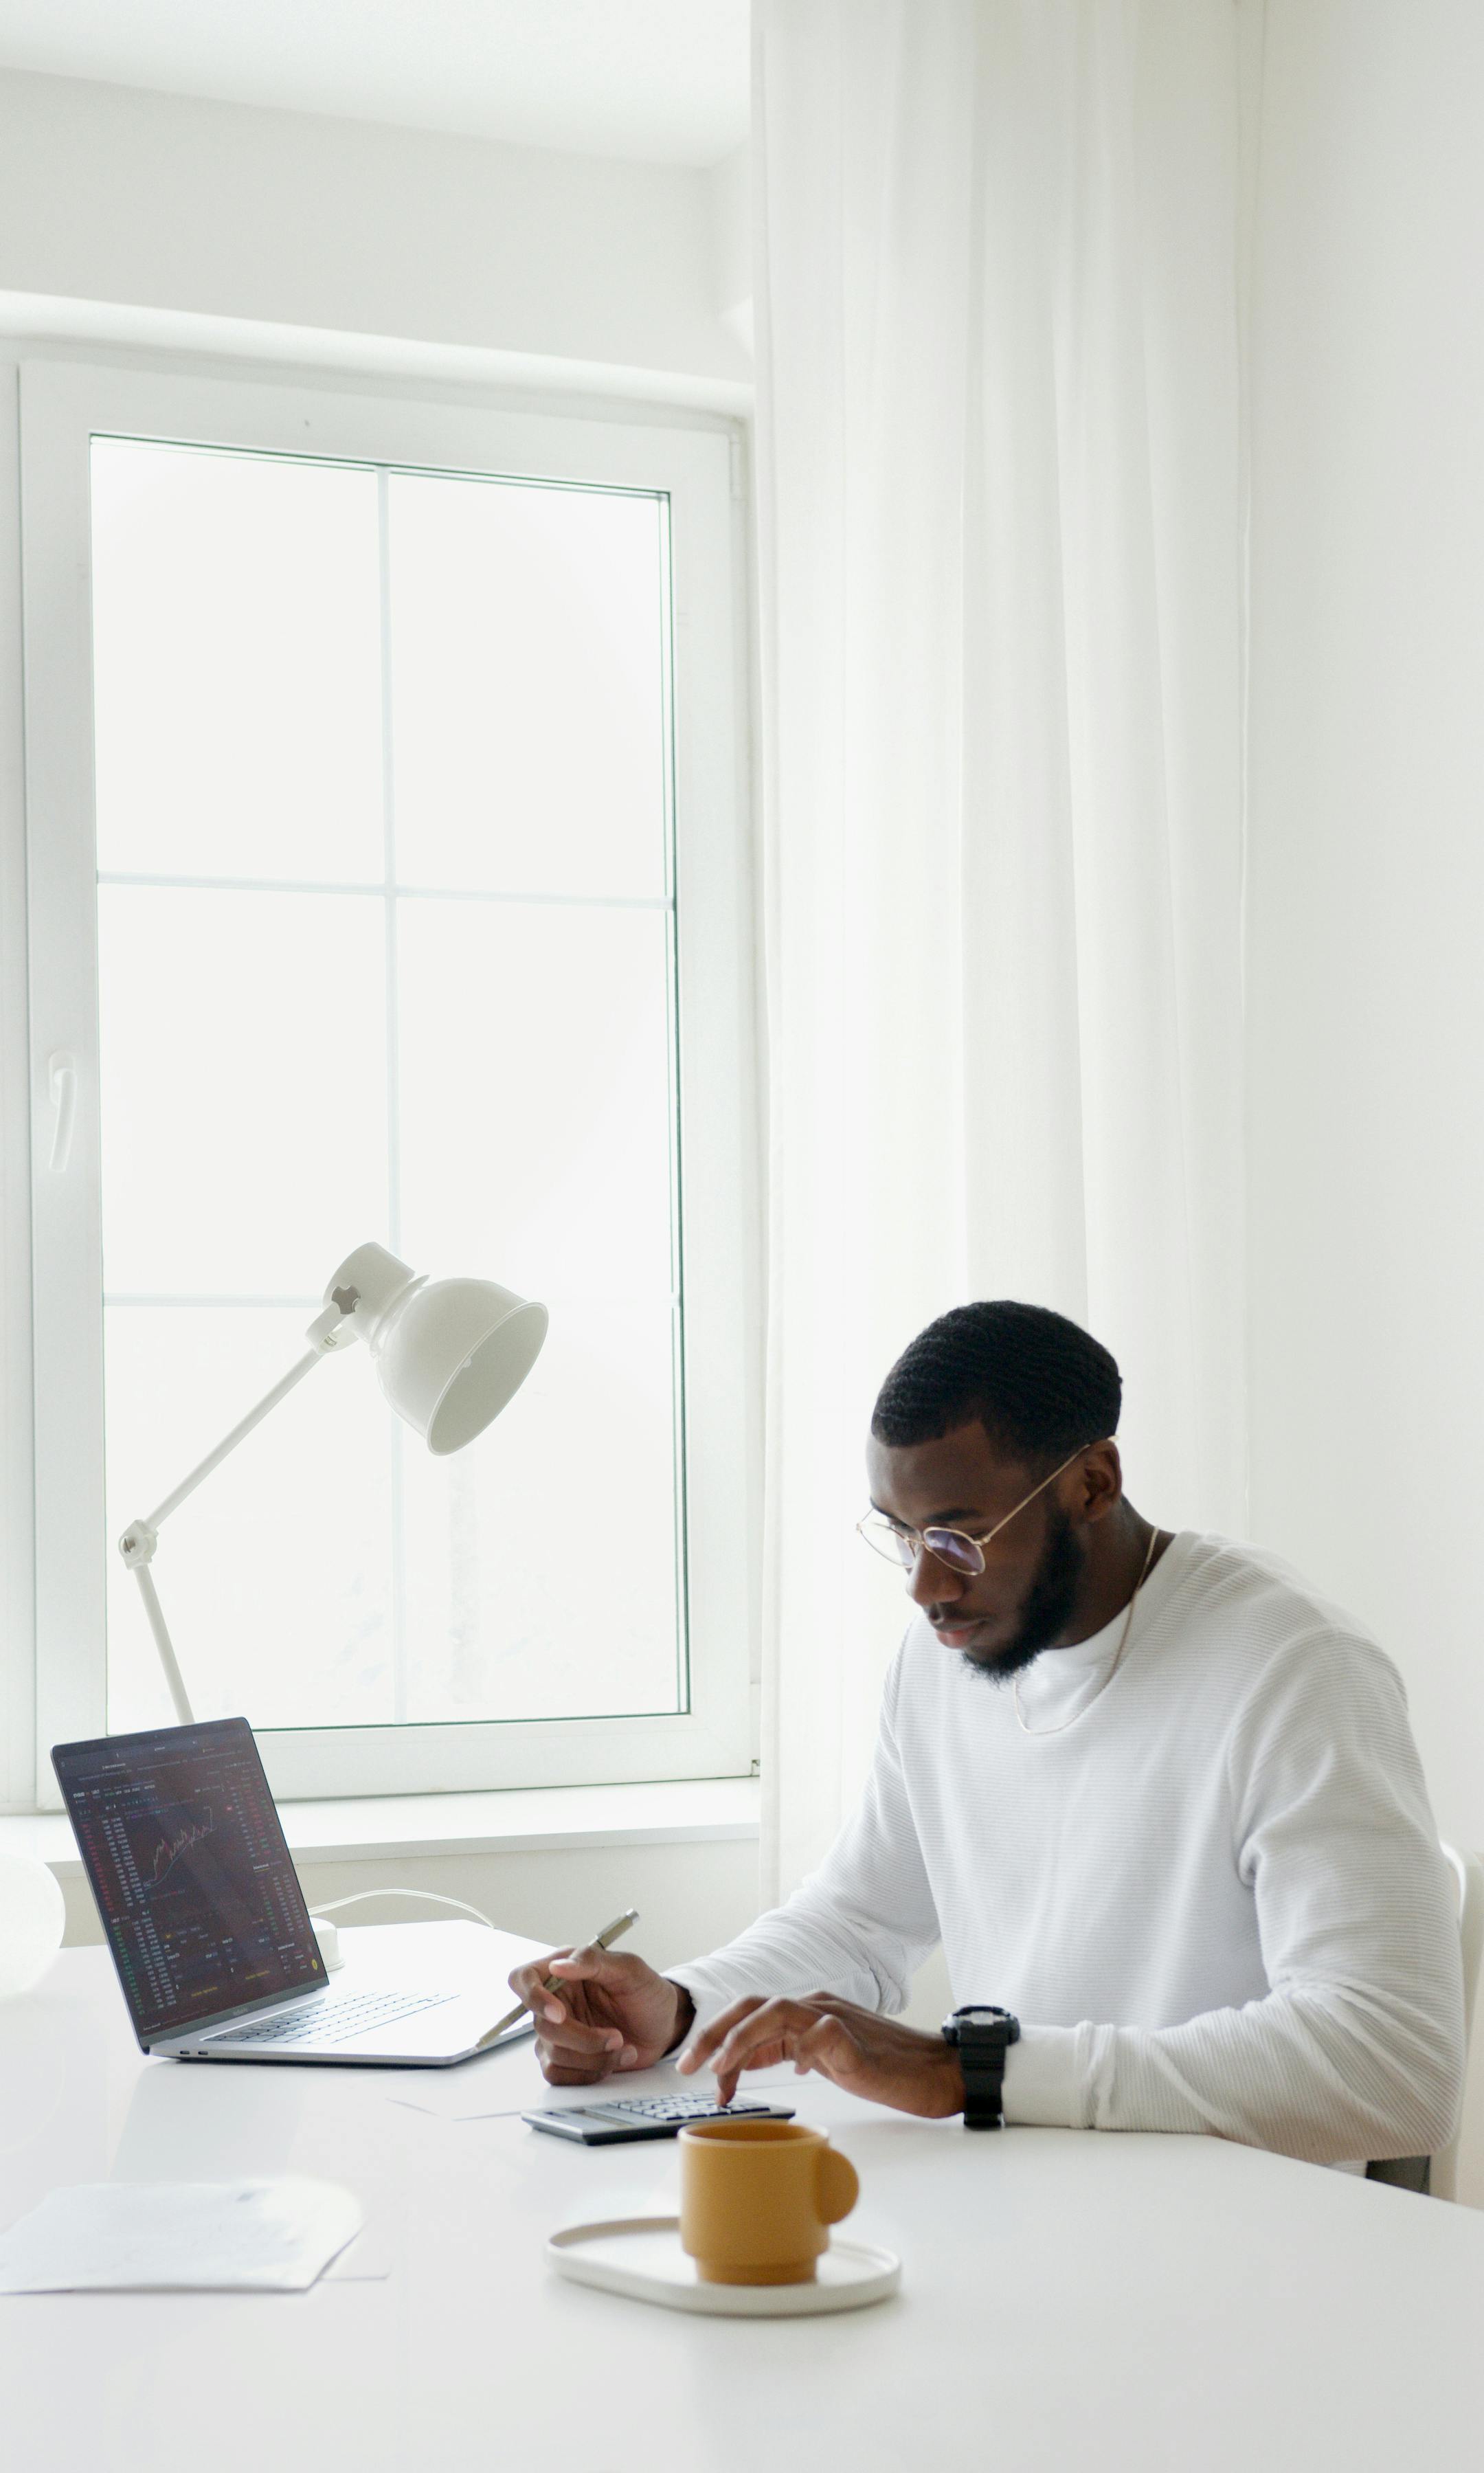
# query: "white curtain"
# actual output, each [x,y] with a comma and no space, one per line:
[1000,507]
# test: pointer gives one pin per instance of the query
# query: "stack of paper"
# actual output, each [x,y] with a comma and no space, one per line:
[180,2237]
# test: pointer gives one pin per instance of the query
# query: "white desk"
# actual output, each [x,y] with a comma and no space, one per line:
[1170,2305]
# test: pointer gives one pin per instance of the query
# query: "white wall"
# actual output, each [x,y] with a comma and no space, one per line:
[189,208]
[1366,919]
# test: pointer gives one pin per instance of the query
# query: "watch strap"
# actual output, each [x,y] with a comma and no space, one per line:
[981,2039]
[984,2085]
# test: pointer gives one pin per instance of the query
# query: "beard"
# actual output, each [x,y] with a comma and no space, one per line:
[1047,1608]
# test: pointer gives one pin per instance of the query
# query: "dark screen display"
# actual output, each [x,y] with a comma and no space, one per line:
[194,1881]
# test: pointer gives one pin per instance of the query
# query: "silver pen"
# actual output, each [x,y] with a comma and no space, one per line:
[604,1940]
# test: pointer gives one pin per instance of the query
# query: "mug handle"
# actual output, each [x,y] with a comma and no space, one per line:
[839,2185]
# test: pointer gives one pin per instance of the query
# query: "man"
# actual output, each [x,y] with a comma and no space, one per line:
[1156,1798]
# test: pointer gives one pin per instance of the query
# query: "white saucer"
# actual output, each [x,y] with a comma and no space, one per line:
[642,2256]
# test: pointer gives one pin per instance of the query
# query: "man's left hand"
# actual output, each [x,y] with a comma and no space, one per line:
[870,2055]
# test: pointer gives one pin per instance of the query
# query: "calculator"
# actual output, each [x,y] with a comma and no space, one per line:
[663,2116]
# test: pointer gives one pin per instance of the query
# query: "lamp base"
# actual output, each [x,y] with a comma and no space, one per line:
[328,1939]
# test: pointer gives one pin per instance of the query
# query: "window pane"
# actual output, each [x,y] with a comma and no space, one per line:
[541,1561]
[535,1101]
[277,1578]
[485,1084]
[243,1087]
[237,626]
[527,689]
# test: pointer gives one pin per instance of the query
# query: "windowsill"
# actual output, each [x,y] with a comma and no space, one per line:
[518,1822]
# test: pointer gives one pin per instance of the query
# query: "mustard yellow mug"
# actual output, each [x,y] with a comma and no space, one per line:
[757,2198]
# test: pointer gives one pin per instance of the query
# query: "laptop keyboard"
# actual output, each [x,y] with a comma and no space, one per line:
[334,2021]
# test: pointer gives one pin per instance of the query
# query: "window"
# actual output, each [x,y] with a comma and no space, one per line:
[387,879]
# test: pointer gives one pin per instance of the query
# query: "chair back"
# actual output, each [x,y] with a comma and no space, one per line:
[1469,1872]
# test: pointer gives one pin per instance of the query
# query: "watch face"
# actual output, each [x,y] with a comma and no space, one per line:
[983,2025]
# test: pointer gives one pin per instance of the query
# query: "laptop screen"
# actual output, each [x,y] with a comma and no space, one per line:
[194,1882]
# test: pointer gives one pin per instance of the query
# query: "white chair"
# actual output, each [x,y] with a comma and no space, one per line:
[1442,2180]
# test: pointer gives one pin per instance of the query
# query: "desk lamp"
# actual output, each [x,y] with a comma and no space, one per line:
[448,1354]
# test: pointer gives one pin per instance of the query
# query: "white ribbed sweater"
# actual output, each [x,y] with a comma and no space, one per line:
[1216,1902]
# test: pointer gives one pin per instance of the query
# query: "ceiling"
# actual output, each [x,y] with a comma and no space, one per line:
[654,81]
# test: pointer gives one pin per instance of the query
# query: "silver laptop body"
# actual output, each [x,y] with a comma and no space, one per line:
[209,1934]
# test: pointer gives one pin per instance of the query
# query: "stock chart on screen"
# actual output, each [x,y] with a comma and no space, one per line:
[194,1882]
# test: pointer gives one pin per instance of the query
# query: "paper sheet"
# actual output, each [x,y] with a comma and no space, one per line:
[180,2237]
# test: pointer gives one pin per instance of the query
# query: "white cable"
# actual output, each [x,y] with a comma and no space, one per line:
[431,1897]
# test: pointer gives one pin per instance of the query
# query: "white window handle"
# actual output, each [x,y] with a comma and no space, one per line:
[63,1077]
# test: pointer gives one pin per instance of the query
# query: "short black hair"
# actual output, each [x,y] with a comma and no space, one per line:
[1040,1386]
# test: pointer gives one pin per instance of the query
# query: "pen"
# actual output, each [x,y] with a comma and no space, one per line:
[604,1940]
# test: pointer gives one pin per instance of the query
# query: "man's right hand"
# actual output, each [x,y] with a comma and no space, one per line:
[613,2012]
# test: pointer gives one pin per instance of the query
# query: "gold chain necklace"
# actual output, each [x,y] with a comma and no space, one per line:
[1036,1732]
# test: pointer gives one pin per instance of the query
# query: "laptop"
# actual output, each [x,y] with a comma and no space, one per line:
[209,1933]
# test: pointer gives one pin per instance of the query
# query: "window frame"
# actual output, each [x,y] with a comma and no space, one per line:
[63,405]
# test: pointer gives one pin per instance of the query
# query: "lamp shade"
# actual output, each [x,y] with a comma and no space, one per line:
[448,1353]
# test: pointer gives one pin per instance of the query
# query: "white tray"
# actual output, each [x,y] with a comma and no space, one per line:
[642,2256]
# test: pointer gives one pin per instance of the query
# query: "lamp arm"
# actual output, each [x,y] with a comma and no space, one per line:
[165,1645]
[239,1434]
[140,1538]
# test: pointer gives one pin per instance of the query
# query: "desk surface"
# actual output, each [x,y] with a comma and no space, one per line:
[1177,2305]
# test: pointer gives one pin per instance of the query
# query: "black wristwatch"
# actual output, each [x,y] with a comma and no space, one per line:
[982,2036]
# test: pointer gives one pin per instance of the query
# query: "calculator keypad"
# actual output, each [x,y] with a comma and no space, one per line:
[672,2108]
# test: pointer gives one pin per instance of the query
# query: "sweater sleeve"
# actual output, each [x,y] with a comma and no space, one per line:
[1357,2051]
[859,1927]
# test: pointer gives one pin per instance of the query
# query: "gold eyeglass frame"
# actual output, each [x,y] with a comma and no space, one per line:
[918,1538]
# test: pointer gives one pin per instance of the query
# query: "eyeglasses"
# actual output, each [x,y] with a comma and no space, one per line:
[953,1546]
